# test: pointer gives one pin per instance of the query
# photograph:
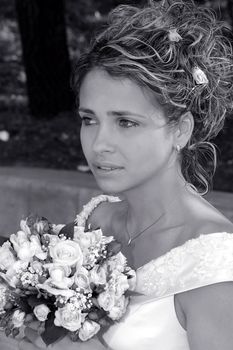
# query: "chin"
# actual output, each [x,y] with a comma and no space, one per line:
[110,189]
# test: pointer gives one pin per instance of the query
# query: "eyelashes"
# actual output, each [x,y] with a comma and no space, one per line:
[126,123]
[122,122]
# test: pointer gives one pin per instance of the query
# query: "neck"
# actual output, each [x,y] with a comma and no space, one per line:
[153,200]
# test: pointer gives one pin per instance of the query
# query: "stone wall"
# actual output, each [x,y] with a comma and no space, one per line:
[58,195]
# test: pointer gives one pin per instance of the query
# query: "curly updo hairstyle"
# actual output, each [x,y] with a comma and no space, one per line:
[180,52]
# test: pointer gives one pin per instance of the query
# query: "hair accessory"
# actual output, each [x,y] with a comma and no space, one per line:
[173,35]
[178,148]
[199,76]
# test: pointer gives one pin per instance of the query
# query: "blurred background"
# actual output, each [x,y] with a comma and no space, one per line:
[39,43]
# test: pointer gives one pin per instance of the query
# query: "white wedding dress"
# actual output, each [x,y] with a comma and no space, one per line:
[151,322]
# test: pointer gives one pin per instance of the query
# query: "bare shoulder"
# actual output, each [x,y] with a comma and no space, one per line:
[204,218]
[208,313]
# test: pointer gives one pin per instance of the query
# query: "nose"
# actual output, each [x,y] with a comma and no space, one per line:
[103,141]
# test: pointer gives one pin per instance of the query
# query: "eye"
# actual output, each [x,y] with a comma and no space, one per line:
[88,121]
[126,123]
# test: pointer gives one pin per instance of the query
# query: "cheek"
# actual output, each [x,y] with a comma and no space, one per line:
[85,139]
[150,152]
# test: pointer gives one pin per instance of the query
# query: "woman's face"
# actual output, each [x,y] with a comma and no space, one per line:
[124,134]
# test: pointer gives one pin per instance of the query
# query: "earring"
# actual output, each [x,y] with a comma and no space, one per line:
[178,148]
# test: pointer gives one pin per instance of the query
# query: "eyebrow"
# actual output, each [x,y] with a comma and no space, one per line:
[114,113]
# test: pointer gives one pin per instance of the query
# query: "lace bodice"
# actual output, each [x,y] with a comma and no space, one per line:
[150,321]
[200,261]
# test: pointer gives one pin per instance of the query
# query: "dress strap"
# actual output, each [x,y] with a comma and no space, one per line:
[199,262]
[88,208]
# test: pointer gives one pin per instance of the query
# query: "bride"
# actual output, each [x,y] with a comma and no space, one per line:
[153,89]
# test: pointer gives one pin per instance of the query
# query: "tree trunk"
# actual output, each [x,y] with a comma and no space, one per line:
[45,54]
[230,9]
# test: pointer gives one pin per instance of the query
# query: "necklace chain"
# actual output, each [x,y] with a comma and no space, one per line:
[135,236]
[141,232]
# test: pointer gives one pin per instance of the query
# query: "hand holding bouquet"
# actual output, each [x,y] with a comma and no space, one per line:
[76,282]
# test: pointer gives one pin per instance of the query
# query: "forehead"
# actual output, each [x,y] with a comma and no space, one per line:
[101,89]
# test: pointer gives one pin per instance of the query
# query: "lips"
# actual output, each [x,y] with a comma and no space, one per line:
[107,166]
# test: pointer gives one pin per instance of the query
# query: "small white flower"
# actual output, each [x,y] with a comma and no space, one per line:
[173,35]
[87,239]
[41,312]
[117,262]
[53,239]
[199,76]
[18,318]
[36,266]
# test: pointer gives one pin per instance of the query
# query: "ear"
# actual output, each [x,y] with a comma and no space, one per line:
[184,130]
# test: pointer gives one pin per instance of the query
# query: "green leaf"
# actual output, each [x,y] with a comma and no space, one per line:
[52,333]
[133,293]
[34,301]
[23,304]
[113,248]
[68,230]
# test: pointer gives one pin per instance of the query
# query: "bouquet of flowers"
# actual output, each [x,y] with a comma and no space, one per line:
[74,281]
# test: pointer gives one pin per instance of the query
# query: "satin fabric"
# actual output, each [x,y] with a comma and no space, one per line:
[151,322]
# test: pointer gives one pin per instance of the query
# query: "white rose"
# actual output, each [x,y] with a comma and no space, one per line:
[41,312]
[6,256]
[81,278]
[67,253]
[88,238]
[106,300]
[119,308]
[121,284]
[88,330]
[18,318]
[98,275]
[68,317]
[117,262]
